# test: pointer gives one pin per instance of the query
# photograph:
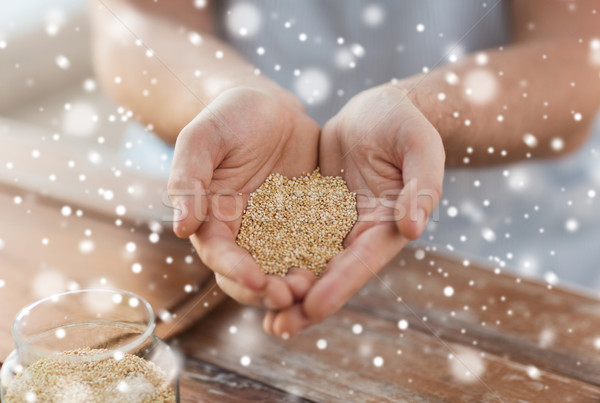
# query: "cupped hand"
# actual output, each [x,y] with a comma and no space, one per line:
[223,155]
[393,158]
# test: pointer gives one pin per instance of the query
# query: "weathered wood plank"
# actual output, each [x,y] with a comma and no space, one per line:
[87,251]
[189,311]
[39,174]
[204,382]
[416,367]
[523,320]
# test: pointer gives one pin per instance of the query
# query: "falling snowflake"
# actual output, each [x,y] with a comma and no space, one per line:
[63,62]
[313,86]
[402,324]
[572,225]
[120,210]
[533,372]
[86,246]
[481,86]
[373,15]
[245,360]
[530,140]
[488,234]
[419,254]
[195,38]
[466,365]
[243,20]
[557,144]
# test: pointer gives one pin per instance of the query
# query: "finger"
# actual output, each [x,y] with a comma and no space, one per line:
[330,155]
[300,154]
[299,280]
[238,292]
[289,322]
[351,269]
[215,245]
[197,153]
[268,322]
[423,174]
[275,296]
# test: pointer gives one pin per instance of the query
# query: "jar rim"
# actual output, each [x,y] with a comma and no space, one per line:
[136,342]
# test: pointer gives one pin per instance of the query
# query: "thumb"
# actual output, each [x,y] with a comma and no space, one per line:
[191,173]
[423,174]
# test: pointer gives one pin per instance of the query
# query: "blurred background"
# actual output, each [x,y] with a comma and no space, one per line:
[49,82]
[538,219]
[77,210]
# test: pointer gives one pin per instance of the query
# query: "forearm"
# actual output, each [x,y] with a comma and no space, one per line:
[183,73]
[545,88]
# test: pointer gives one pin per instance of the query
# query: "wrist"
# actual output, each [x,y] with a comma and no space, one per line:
[285,96]
[269,87]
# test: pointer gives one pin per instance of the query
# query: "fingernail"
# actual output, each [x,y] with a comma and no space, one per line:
[285,336]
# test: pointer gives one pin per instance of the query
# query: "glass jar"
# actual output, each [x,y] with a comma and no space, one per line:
[95,345]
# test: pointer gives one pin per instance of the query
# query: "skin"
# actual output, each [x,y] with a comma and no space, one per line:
[230,156]
[232,128]
[391,141]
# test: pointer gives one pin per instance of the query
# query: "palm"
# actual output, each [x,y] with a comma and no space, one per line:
[222,156]
[376,184]
[376,178]
[389,154]
[262,138]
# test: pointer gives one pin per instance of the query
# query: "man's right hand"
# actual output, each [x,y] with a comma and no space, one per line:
[222,156]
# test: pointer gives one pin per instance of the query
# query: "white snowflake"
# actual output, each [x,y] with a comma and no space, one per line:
[313,86]
[243,20]
[481,86]
[373,15]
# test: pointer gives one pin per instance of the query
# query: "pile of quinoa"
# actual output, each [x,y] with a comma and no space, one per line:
[69,379]
[297,222]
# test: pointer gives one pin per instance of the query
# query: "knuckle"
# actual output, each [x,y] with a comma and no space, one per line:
[206,254]
[410,139]
[410,232]
[175,185]
[317,314]
[185,133]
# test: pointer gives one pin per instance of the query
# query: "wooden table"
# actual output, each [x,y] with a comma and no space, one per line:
[430,327]
[498,338]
